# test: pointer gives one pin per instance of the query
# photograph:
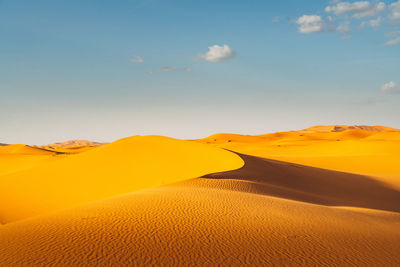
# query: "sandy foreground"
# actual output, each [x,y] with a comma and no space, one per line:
[110,206]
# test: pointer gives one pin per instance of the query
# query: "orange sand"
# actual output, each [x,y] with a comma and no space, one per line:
[369,152]
[201,222]
[14,158]
[124,166]
[133,202]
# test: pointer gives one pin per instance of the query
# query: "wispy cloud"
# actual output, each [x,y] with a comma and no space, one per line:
[169,68]
[361,9]
[395,41]
[394,9]
[136,59]
[218,53]
[373,23]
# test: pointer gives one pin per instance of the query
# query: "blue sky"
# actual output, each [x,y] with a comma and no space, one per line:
[68,70]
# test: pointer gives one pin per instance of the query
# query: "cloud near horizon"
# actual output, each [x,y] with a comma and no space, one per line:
[395,41]
[390,88]
[169,68]
[218,53]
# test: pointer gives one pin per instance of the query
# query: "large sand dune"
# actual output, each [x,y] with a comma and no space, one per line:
[137,202]
[18,157]
[368,150]
[124,166]
[218,221]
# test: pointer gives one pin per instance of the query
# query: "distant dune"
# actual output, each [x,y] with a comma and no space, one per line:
[72,146]
[368,150]
[340,128]
[74,143]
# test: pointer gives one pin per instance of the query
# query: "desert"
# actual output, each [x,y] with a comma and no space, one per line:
[152,200]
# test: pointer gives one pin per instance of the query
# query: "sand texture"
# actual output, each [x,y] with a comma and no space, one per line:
[225,200]
[208,221]
[373,152]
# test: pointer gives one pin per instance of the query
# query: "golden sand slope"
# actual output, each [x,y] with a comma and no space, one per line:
[124,166]
[370,152]
[232,222]
[14,158]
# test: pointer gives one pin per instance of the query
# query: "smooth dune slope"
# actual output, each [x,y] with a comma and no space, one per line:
[374,151]
[18,157]
[230,222]
[124,166]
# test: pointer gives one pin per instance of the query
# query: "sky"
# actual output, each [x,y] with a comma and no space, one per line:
[104,70]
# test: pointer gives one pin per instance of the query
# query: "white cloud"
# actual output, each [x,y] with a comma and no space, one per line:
[395,10]
[361,9]
[218,53]
[137,59]
[374,23]
[169,68]
[310,24]
[390,88]
[393,42]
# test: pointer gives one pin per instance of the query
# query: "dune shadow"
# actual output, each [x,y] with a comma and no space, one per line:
[313,185]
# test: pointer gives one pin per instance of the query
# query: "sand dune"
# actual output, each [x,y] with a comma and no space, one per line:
[74,143]
[124,166]
[314,185]
[135,202]
[339,128]
[232,222]
[72,146]
[15,158]
[368,152]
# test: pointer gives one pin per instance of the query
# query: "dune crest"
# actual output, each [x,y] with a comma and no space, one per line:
[74,143]
[18,157]
[366,150]
[127,165]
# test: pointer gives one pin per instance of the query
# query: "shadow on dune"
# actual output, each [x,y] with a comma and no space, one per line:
[313,185]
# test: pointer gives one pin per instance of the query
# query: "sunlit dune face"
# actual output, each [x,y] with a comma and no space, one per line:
[160,201]
[124,166]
